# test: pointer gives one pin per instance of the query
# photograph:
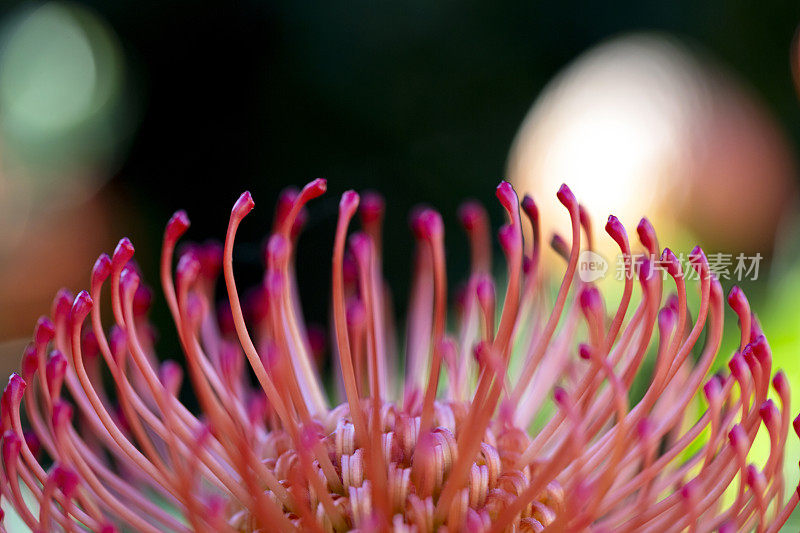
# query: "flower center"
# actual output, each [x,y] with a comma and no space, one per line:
[416,470]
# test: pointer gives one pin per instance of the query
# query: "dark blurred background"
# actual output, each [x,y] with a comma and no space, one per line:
[116,113]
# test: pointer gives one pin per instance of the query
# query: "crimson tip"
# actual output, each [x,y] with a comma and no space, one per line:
[319,184]
[372,207]
[470,213]
[617,232]
[244,204]
[81,307]
[44,331]
[507,195]
[101,270]
[530,208]
[349,202]
[566,197]
[122,253]
[177,225]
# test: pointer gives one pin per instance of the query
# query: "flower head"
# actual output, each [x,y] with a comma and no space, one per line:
[111,441]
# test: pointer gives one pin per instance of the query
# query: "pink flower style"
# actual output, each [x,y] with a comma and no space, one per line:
[111,447]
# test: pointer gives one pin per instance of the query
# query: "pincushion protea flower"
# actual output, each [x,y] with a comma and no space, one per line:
[453,453]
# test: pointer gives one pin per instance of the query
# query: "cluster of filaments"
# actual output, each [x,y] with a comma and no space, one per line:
[111,446]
